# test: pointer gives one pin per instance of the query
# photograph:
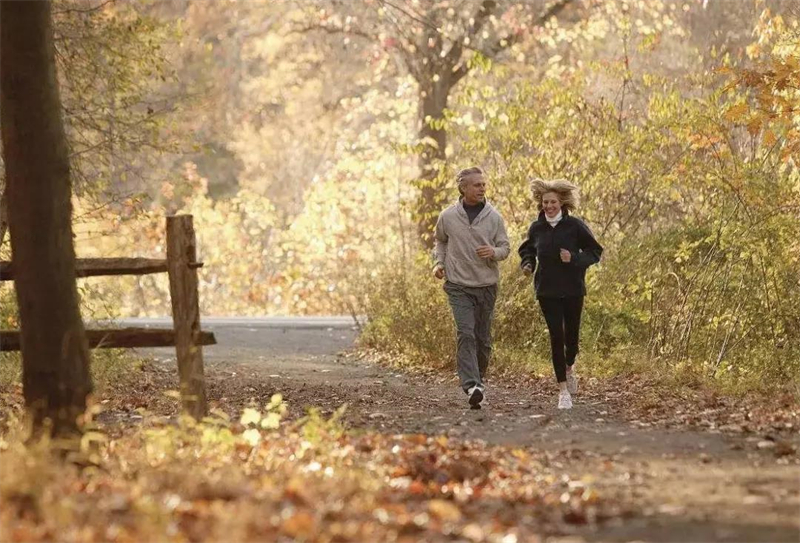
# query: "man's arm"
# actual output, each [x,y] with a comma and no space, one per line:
[440,245]
[501,244]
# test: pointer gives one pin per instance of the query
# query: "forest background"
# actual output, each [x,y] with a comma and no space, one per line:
[314,141]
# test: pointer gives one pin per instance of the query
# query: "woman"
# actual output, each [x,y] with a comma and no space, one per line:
[564,247]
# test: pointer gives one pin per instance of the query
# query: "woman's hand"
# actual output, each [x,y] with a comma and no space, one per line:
[566,256]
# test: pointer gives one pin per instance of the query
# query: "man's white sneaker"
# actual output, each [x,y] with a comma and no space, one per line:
[564,400]
[572,382]
[475,397]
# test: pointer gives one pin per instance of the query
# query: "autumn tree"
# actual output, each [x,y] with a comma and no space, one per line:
[774,83]
[116,97]
[438,44]
[55,354]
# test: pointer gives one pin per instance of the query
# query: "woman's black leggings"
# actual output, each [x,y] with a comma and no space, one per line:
[563,316]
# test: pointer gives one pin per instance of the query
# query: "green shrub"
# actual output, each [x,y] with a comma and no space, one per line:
[697,214]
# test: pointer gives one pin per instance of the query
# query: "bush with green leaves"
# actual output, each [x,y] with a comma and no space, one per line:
[697,211]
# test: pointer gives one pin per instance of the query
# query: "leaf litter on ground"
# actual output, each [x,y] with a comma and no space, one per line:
[307,480]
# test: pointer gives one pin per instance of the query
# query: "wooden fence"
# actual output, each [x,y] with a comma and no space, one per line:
[181,265]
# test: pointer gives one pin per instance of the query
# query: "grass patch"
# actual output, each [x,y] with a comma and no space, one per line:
[10,369]
[108,366]
[409,320]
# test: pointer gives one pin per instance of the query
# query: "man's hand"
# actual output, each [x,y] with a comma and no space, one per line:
[527,269]
[438,272]
[485,251]
[566,256]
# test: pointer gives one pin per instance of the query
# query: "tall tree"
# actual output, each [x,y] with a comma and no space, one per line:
[436,42]
[55,354]
[437,71]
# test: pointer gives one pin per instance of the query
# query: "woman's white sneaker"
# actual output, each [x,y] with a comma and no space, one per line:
[564,400]
[572,382]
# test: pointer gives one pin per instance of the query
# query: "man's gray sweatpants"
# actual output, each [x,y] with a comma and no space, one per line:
[473,308]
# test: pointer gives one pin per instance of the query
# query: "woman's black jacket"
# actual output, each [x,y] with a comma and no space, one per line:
[553,278]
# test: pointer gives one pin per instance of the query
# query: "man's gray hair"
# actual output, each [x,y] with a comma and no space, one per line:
[461,178]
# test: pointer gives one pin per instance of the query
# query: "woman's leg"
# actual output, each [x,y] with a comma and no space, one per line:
[553,311]
[572,327]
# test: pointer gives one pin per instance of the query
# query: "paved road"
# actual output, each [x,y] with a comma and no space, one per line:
[259,336]
[337,322]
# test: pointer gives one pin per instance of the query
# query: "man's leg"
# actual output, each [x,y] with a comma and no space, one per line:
[572,327]
[484,313]
[553,311]
[463,306]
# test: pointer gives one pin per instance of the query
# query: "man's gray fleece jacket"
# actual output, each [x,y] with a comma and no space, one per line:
[457,240]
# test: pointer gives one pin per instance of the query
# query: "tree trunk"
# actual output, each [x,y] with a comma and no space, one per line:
[55,354]
[3,216]
[432,103]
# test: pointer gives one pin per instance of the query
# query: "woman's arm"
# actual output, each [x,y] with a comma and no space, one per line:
[590,250]
[527,252]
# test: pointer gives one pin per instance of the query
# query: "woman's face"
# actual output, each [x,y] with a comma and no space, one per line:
[551,204]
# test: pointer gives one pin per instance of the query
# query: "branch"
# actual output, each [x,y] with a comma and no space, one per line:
[408,56]
[430,26]
[413,16]
[265,26]
[508,41]
[505,42]
[484,12]
[334,30]
[87,10]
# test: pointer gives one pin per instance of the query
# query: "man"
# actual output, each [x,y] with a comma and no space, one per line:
[470,239]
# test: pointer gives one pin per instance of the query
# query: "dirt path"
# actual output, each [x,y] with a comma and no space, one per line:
[681,484]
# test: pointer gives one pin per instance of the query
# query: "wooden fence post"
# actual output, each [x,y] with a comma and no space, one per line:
[181,252]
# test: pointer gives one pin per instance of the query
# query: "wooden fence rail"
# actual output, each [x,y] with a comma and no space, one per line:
[181,265]
[117,338]
[92,267]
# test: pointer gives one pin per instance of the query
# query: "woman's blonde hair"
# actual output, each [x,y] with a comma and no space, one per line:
[568,193]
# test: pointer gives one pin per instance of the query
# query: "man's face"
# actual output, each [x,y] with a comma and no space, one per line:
[474,188]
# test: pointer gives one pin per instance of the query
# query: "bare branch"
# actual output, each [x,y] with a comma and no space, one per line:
[418,18]
[334,30]
[407,54]
[92,9]
[507,41]
[504,43]
[484,12]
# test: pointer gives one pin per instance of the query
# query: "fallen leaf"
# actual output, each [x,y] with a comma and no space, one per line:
[301,525]
[444,510]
